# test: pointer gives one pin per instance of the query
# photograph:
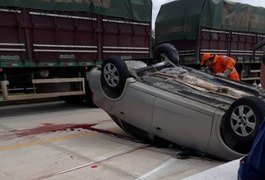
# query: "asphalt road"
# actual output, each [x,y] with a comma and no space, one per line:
[60,141]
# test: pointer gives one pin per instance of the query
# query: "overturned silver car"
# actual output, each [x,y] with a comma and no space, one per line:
[166,103]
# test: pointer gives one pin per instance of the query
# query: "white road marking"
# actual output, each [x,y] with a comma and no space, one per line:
[165,164]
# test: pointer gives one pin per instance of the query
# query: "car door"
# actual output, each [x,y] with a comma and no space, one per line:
[182,121]
[136,106]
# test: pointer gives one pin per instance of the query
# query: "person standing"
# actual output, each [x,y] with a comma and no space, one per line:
[252,166]
[221,65]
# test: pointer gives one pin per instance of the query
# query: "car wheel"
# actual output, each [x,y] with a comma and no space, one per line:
[166,52]
[114,73]
[244,117]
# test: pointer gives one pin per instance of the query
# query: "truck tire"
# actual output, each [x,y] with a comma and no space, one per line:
[114,73]
[80,99]
[76,100]
[88,99]
[168,51]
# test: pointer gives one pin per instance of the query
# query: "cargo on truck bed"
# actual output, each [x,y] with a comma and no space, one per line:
[220,27]
[48,46]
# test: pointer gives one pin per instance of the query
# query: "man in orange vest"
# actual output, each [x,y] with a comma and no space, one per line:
[221,65]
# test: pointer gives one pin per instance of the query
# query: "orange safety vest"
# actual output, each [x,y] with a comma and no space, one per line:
[221,63]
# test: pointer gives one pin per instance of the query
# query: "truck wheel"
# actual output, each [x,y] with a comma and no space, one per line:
[80,99]
[244,117]
[166,52]
[76,100]
[114,73]
[87,98]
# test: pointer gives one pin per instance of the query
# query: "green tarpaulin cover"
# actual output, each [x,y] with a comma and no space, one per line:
[138,10]
[181,19]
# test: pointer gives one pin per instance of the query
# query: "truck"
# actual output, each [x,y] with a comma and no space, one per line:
[214,26]
[47,47]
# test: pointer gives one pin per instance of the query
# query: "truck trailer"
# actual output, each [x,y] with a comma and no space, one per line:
[48,46]
[215,26]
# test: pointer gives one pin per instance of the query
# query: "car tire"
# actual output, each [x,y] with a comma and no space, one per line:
[166,50]
[243,119]
[114,73]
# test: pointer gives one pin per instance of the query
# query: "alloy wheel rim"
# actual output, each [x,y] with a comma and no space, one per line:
[111,75]
[243,121]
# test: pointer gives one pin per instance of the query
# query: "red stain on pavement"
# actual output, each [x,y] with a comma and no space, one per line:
[94,166]
[50,128]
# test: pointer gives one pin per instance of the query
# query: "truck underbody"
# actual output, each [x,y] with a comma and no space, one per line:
[48,52]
